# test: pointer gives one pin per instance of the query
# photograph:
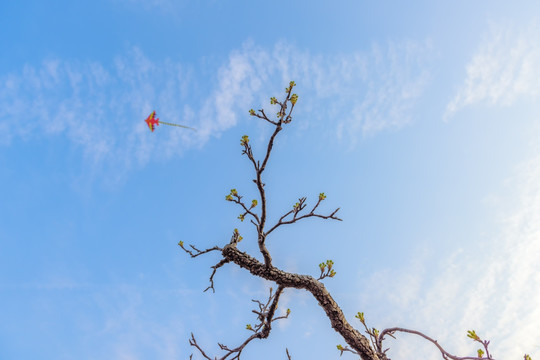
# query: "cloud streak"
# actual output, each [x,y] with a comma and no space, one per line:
[504,69]
[100,107]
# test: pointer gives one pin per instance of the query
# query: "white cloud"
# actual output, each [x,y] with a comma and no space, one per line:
[492,287]
[124,331]
[352,95]
[505,68]
[100,108]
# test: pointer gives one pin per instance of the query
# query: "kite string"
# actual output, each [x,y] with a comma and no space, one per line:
[166,123]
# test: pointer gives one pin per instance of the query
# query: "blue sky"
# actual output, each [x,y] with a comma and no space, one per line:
[420,121]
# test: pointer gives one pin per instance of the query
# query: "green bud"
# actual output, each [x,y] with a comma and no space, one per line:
[252,112]
[322,196]
[480,353]
[253,203]
[273,100]
[181,243]
[472,335]
[294,99]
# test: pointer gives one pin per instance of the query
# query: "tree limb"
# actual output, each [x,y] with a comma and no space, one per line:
[299,206]
[352,336]
[260,331]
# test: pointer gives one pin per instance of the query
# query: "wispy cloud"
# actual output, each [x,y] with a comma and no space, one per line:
[490,286]
[100,107]
[97,108]
[124,331]
[352,95]
[503,69]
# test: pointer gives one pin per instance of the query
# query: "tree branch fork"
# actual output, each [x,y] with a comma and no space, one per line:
[366,349]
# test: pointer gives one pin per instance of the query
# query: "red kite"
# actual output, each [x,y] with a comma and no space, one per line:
[152,122]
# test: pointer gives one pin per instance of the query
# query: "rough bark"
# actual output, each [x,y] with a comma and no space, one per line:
[353,337]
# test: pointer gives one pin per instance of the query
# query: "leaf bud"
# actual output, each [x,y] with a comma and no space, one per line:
[244,141]
[472,335]
[480,353]
[360,316]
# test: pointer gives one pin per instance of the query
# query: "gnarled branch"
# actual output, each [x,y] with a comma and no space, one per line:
[260,331]
[339,323]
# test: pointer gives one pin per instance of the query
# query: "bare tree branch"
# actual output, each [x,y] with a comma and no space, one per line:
[353,337]
[234,197]
[260,331]
[288,356]
[297,208]
[377,339]
[357,343]
[199,252]
[262,116]
[446,355]
[215,267]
